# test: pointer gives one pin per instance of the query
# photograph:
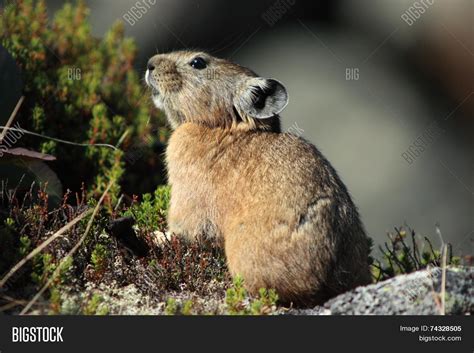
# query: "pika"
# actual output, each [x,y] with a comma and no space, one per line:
[285,218]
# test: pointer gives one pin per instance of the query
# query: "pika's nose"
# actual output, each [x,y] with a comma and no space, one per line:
[150,66]
[161,65]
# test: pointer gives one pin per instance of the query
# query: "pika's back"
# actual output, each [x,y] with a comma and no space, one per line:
[287,220]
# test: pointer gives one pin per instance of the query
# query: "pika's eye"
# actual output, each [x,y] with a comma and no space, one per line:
[198,63]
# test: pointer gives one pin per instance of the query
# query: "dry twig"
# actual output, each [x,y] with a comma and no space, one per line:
[43,245]
[70,253]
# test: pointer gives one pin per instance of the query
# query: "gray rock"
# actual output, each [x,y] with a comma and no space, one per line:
[416,293]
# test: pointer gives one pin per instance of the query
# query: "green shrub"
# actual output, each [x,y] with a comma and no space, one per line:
[82,89]
[171,307]
[398,256]
[95,306]
[9,243]
[175,307]
[238,301]
[43,268]
[99,258]
[150,213]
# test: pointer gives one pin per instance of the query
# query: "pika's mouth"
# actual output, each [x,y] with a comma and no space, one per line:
[149,81]
[155,93]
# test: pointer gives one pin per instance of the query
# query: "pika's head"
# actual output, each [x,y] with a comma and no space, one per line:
[197,87]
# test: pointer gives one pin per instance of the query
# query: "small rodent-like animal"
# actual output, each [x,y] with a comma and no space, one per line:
[285,218]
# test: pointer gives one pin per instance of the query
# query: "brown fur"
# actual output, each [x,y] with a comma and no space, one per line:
[286,220]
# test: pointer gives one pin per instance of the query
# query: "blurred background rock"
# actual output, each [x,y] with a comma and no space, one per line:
[367,80]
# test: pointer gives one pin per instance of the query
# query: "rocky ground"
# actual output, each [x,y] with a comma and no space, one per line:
[416,293]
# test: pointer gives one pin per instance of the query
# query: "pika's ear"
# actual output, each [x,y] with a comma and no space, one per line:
[261,98]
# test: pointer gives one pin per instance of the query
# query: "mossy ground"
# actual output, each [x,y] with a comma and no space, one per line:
[107,275]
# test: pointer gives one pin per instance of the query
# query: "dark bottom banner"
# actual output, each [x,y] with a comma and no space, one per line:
[283,333]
